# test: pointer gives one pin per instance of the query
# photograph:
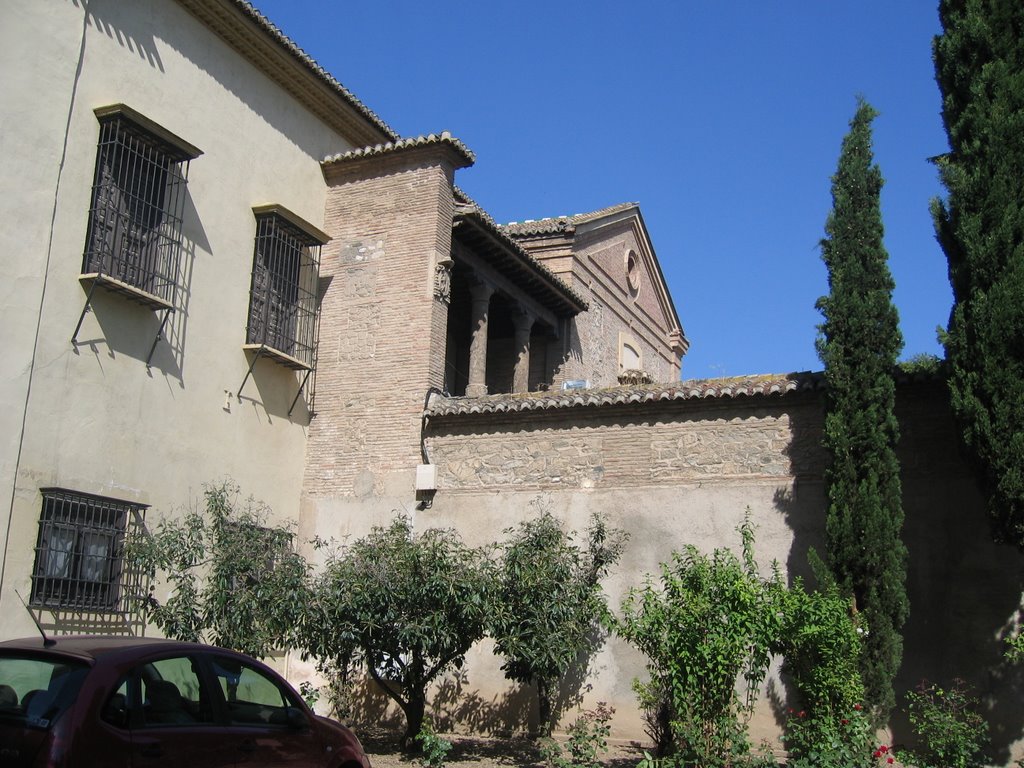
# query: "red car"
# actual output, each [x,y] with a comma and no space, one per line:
[125,701]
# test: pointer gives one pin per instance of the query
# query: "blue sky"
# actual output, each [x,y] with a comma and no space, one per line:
[722,119]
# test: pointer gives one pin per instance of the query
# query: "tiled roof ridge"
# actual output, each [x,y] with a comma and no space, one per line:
[722,388]
[444,137]
[694,389]
[310,63]
[467,206]
[554,224]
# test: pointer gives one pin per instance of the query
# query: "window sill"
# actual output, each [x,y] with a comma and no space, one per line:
[126,289]
[278,356]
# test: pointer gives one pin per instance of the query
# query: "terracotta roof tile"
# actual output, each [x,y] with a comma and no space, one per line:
[695,389]
[311,64]
[402,144]
[557,224]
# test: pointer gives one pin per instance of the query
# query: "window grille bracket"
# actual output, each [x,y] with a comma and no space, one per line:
[302,386]
[159,335]
[81,317]
[142,297]
[248,373]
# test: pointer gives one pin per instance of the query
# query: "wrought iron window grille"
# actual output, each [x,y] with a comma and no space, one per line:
[133,243]
[284,296]
[80,552]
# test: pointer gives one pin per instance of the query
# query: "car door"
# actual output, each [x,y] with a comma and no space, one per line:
[173,719]
[264,722]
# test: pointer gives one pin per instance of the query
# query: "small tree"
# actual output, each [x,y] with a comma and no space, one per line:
[549,602]
[408,606]
[859,344]
[234,579]
[709,624]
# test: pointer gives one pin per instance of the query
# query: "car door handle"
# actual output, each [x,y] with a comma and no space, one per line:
[249,745]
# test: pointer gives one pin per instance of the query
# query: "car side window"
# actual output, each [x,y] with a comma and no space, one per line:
[172,693]
[115,710]
[252,697]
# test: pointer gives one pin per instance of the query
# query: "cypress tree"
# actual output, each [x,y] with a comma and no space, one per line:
[979,66]
[858,343]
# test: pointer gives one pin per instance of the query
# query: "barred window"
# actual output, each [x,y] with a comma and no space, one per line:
[80,550]
[138,197]
[283,295]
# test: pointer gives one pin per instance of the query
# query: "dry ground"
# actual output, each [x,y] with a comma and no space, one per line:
[476,752]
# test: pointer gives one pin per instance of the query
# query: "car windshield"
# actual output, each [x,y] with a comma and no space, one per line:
[35,691]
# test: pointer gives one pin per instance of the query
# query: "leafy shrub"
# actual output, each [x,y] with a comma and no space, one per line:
[950,732]
[710,623]
[588,740]
[434,749]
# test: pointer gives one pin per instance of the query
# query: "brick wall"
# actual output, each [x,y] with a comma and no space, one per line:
[382,331]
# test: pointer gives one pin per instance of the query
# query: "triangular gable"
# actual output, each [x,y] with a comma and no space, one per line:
[618,247]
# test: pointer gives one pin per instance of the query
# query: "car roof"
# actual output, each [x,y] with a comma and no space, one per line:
[96,646]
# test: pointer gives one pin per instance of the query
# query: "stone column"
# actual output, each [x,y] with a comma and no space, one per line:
[521,376]
[481,293]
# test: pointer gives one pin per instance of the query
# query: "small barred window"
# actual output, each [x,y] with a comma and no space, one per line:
[80,551]
[283,296]
[138,199]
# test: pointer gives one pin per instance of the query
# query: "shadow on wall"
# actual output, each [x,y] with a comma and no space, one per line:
[98,15]
[964,591]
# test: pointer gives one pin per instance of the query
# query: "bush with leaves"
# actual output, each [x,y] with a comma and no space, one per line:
[408,606]
[950,731]
[549,602]
[709,624]
[588,740]
[234,579]
[821,642]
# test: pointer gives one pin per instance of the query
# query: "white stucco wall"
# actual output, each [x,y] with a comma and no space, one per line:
[95,419]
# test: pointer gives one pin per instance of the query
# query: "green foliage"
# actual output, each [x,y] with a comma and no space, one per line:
[859,343]
[407,606]
[234,580]
[921,363]
[588,740]
[433,749]
[950,731]
[549,601]
[827,741]
[978,60]
[309,693]
[711,621]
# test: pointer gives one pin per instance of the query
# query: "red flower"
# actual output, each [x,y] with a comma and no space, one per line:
[890,761]
[857,707]
[802,714]
[845,721]
[883,749]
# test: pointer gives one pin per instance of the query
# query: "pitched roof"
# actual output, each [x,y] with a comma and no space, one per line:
[443,138]
[696,389]
[277,56]
[557,224]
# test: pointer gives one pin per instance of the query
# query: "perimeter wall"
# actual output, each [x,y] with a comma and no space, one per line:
[682,472]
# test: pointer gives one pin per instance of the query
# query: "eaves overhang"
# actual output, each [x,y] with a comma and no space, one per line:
[255,37]
[475,229]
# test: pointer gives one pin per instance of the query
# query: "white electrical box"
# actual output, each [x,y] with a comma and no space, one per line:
[426,477]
